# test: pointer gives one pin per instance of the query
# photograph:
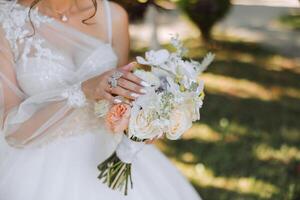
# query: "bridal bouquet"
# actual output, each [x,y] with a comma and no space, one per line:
[169,107]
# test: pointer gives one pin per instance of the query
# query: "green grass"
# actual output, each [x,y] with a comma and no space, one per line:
[292,21]
[247,144]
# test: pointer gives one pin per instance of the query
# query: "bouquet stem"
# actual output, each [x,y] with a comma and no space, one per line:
[115,171]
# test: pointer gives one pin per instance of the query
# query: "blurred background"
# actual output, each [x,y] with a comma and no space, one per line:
[247,144]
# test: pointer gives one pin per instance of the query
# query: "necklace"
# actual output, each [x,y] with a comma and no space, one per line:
[63,16]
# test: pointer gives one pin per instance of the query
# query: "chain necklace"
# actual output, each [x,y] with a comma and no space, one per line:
[63,16]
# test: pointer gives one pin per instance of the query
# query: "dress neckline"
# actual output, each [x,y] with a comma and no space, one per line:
[59,23]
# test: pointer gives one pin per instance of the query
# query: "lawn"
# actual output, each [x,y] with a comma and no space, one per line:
[292,21]
[247,144]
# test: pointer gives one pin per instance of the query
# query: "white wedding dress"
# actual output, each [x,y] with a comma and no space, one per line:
[50,140]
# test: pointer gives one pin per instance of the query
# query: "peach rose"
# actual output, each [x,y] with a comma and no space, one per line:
[117,118]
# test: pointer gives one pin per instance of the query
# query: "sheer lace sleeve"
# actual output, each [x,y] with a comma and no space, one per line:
[25,118]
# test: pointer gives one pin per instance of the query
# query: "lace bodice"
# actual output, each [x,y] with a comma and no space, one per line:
[47,70]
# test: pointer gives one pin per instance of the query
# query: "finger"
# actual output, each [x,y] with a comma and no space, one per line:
[129,67]
[131,86]
[125,93]
[150,141]
[108,97]
[133,78]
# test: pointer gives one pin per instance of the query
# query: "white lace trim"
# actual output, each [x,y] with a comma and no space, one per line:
[76,97]
[15,22]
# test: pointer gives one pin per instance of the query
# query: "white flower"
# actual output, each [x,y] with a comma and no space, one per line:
[178,44]
[173,87]
[144,123]
[160,72]
[193,102]
[191,69]
[148,100]
[180,122]
[101,108]
[193,105]
[200,88]
[154,58]
[149,77]
[206,62]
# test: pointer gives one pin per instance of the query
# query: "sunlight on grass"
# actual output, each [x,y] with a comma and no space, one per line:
[243,88]
[236,87]
[290,134]
[291,21]
[204,177]
[279,63]
[205,133]
[284,154]
[272,63]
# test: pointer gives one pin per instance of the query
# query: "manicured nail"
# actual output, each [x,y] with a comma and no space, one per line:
[143,91]
[145,84]
[135,95]
[132,64]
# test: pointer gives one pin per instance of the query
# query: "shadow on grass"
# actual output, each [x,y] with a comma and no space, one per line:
[259,117]
[255,72]
[260,69]
[245,47]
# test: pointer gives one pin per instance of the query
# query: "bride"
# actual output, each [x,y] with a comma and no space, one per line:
[56,59]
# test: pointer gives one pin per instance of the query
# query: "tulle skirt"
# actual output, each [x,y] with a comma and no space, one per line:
[66,169]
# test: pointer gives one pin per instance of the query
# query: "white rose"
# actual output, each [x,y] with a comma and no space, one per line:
[180,122]
[144,123]
[150,100]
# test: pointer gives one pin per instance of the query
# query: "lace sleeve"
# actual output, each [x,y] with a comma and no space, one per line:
[24,119]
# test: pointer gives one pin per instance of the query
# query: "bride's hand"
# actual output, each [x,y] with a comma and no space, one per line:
[129,86]
[152,141]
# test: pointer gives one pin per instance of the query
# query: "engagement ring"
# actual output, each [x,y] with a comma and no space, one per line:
[113,79]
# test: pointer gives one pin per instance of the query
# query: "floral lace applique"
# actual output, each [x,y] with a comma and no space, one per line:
[76,97]
[15,22]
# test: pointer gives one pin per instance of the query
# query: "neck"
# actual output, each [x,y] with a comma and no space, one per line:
[59,5]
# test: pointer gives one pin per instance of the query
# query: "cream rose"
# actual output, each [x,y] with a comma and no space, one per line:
[144,124]
[180,122]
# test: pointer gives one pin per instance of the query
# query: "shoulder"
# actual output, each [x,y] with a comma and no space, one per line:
[119,14]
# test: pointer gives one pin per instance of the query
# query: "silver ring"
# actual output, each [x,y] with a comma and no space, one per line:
[113,79]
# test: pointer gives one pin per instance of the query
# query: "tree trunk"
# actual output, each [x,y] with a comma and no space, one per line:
[151,20]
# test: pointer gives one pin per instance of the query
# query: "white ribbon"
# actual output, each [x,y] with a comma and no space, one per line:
[128,149]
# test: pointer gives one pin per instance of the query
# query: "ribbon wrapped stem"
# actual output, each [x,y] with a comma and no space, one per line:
[116,170]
